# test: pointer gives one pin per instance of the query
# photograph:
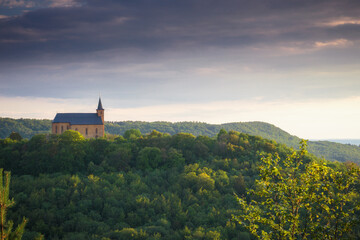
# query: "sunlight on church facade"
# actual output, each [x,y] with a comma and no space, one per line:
[90,125]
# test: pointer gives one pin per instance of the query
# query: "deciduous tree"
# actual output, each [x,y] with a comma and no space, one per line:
[298,200]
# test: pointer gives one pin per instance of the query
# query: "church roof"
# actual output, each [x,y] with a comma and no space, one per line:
[78,118]
[100,105]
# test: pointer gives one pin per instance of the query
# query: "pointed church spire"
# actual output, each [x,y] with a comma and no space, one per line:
[100,105]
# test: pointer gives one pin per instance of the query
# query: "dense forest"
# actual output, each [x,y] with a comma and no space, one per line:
[328,150]
[27,128]
[152,186]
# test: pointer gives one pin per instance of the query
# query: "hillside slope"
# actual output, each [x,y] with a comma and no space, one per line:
[324,149]
[26,127]
[154,186]
[329,150]
[151,187]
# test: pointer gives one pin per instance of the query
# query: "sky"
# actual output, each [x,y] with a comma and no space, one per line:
[294,64]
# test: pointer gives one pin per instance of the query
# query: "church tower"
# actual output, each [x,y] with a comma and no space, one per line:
[90,125]
[100,110]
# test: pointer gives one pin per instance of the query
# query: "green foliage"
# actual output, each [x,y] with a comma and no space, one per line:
[15,136]
[75,188]
[329,150]
[297,199]
[132,134]
[152,186]
[6,226]
[25,127]
[71,136]
[149,157]
[240,185]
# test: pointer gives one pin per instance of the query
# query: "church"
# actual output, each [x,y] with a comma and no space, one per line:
[90,125]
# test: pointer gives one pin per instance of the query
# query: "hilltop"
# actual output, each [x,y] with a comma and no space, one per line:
[329,150]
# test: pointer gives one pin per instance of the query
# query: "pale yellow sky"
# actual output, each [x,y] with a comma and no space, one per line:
[310,119]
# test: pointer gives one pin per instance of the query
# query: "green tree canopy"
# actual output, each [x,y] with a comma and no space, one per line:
[149,157]
[15,136]
[132,134]
[71,136]
[7,232]
[294,199]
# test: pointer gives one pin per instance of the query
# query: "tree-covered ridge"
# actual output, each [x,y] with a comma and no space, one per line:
[329,150]
[138,187]
[262,129]
[27,128]
[153,186]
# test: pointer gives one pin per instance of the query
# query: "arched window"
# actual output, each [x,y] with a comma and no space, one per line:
[86,131]
[56,129]
[96,130]
[62,129]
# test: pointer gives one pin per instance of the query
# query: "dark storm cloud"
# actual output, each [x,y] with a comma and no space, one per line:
[348,31]
[163,25]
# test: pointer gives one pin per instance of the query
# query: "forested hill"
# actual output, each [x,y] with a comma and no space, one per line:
[153,186]
[26,127]
[329,150]
[323,149]
[262,129]
[29,127]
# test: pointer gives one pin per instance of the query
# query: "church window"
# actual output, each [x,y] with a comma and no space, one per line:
[62,129]
[96,130]
[67,127]
[86,131]
[55,129]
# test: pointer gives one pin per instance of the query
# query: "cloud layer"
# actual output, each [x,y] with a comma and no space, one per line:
[147,53]
[68,27]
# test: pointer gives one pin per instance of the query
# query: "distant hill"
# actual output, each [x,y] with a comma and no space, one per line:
[26,127]
[323,149]
[262,129]
[329,150]
[346,141]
